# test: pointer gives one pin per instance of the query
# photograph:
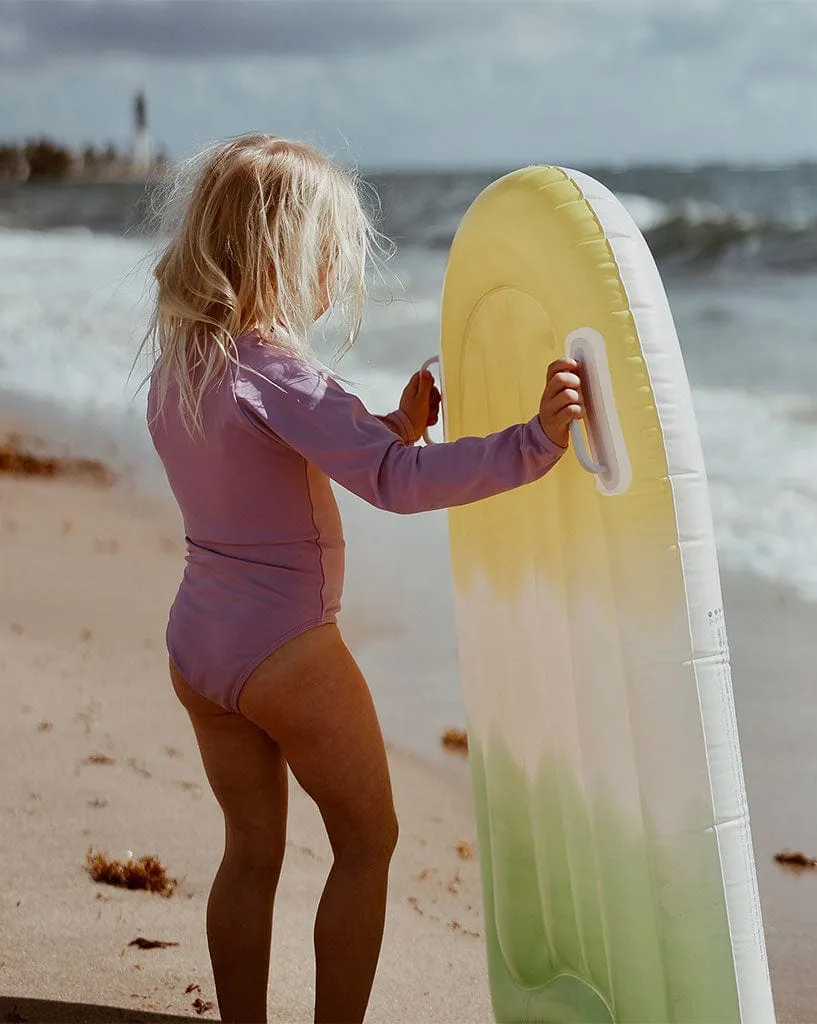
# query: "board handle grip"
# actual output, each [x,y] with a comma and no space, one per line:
[582,454]
[600,447]
[428,363]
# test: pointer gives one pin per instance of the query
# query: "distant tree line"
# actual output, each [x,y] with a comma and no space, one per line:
[43,159]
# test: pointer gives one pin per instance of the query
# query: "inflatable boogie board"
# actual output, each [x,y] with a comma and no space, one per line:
[618,875]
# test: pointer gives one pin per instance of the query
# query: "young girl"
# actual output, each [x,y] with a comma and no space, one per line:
[251,429]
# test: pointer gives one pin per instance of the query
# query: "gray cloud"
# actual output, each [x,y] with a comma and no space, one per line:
[405,83]
[672,32]
[711,27]
[39,30]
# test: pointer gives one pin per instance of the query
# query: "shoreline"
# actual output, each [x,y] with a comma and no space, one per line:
[84,674]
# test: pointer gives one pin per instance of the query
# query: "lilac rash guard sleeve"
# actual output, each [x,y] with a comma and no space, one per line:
[399,423]
[332,429]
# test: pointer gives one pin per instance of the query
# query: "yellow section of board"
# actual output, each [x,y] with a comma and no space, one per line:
[509,304]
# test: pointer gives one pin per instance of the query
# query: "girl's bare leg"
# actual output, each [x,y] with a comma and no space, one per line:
[247,772]
[312,699]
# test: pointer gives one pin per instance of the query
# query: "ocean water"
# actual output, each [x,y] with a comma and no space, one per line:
[74,294]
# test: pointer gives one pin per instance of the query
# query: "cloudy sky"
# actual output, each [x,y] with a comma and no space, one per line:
[424,82]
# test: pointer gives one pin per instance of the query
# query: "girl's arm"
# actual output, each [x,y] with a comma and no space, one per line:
[332,429]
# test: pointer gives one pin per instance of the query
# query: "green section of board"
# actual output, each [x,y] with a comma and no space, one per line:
[587,919]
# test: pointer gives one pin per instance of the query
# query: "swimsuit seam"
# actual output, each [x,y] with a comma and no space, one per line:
[317,537]
[238,685]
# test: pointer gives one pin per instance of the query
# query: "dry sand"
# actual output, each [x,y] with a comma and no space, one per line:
[86,576]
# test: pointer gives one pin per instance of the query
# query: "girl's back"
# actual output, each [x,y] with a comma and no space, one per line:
[241,489]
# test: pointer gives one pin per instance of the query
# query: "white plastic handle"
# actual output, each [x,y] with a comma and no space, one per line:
[613,470]
[429,362]
[582,453]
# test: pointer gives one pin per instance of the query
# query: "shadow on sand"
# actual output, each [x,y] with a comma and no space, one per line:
[19,1010]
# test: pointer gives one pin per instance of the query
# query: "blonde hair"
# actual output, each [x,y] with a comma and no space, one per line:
[265,234]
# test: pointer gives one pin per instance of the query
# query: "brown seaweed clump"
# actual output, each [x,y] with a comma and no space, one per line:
[199,1004]
[455,739]
[795,861]
[145,873]
[17,460]
[142,943]
[99,759]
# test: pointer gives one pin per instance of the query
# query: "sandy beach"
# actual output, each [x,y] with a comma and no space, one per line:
[96,753]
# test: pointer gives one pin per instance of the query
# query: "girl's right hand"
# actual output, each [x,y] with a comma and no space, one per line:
[421,402]
[561,401]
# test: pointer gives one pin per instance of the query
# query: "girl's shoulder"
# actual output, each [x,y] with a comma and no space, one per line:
[262,364]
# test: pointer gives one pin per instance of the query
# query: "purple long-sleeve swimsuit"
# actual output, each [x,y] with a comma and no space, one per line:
[264,537]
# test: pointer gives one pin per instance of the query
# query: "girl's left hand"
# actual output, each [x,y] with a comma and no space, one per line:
[421,402]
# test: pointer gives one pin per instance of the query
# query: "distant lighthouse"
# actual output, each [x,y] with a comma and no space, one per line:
[141,155]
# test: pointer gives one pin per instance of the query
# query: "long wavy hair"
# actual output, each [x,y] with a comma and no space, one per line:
[265,234]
